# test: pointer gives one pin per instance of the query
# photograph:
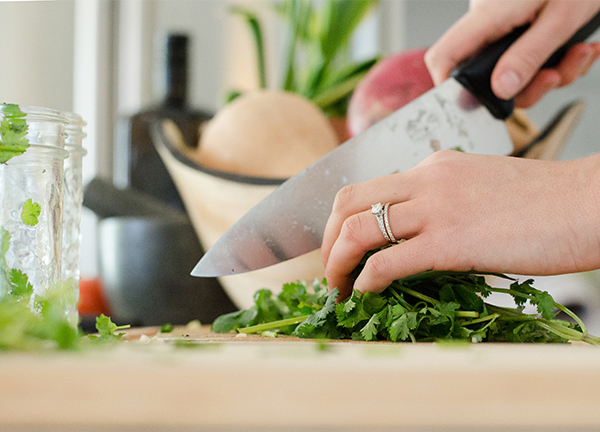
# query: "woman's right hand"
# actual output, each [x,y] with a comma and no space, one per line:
[517,73]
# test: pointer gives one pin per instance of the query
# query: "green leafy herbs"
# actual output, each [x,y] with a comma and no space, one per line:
[106,331]
[431,306]
[13,129]
[19,283]
[4,271]
[292,306]
[167,328]
[30,212]
[29,323]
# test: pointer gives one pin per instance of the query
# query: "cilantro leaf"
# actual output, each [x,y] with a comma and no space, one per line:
[545,305]
[468,298]
[266,307]
[401,327]
[234,320]
[320,318]
[522,288]
[352,311]
[369,331]
[106,329]
[30,213]
[13,129]
[20,283]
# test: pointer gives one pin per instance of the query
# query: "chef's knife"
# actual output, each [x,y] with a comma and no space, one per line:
[461,113]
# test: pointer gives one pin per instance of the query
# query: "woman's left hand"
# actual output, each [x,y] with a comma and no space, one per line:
[463,212]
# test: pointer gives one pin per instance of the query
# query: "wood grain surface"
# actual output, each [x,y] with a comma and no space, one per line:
[226,382]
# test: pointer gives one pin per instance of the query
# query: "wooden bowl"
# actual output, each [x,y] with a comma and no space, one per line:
[215,200]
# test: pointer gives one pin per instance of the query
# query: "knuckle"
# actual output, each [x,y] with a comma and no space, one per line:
[343,198]
[442,164]
[431,57]
[442,155]
[527,64]
[351,229]
[377,267]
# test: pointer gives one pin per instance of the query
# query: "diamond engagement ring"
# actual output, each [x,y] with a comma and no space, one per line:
[381,213]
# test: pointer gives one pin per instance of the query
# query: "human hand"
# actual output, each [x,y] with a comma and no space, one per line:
[461,212]
[517,73]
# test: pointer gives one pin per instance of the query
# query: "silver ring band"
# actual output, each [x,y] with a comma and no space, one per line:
[386,220]
[381,213]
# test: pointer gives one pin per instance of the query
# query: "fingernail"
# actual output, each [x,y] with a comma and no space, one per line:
[507,85]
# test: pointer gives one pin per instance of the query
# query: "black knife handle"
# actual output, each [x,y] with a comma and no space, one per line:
[475,74]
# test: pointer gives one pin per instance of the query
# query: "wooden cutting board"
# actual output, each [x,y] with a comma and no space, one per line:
[226,382]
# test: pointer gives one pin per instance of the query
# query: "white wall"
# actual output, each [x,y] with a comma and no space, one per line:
[36,53]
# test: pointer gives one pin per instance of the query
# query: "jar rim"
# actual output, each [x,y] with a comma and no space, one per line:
[75,149]
[75,120]
[63,153]
[37,113]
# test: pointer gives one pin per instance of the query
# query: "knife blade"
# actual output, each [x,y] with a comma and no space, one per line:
[461,113]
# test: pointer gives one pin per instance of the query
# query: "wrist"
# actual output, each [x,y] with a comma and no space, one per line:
[586,210]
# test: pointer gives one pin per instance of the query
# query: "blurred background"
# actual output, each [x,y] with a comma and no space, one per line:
[99,58]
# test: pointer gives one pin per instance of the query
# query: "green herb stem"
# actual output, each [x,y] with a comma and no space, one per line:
[400,299]
[561,331]
[418,295]
[432,274]
[466,314]
[592,340]
[273,325]
[412,337]
[505,311]
[511,292]
[491,317]
[572,315]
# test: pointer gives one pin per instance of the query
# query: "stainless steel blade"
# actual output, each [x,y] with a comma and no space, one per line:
[291,220]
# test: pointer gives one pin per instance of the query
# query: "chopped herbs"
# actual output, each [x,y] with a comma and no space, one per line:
[13,129]
[19,283]
[30,213]
[167,328]
[431,306]
[106,330]
[27,330]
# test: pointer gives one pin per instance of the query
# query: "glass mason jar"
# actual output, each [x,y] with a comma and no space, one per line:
[32,158]
[72,204]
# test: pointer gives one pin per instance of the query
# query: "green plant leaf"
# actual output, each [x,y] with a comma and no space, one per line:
[20,283]
[340,20]
[13,129]
[234,320]
[106,329]
[30,213]
[256,29]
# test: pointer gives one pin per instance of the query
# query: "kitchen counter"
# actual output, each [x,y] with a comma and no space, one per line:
[224,382]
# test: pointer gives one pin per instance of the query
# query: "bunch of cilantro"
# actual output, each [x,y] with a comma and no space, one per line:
[431,306]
